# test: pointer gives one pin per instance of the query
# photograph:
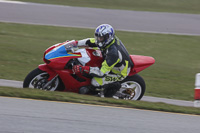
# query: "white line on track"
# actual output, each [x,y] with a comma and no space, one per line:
[15,2]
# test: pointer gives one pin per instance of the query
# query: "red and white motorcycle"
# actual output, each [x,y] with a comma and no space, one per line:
[57,75]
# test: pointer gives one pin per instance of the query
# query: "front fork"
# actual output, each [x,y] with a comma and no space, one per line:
[52,75]
[49,82]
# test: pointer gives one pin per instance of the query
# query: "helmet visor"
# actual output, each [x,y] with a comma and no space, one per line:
[100,38]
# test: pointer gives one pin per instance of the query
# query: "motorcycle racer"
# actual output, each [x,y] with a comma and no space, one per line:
[117,63]
[108,71]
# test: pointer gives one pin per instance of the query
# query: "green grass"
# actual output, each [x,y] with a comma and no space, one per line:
[77,98]
[179,6]
[172,75]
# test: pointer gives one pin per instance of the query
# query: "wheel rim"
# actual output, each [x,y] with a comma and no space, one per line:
[40,80]
[132,89]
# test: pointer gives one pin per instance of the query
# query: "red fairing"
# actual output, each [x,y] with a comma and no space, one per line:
[59,63]
[96,58]
[56,66]
[71,84]
[140,63]
[51,72]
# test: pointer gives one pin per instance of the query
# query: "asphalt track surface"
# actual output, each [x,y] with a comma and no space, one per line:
[32,116]
[139,21]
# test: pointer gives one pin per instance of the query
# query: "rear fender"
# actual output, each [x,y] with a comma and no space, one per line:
[140,63]
[44,67]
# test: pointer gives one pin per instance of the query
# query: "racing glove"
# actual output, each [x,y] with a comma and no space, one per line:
[81,69]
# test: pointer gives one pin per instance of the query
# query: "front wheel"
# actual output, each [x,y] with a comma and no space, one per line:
[133,87]
[37,79]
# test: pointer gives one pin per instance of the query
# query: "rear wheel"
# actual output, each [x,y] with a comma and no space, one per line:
[37,79]
[133,87]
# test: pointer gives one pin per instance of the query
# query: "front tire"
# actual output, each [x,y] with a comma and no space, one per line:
[38,78]
[133,86]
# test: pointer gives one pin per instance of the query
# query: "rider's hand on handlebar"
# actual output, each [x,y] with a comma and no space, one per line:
[74,43]
[80,69]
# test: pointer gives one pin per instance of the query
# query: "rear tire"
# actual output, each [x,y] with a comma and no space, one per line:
[38,78]
[135,84]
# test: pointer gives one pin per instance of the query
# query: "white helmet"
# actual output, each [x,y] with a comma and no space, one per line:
[104,35]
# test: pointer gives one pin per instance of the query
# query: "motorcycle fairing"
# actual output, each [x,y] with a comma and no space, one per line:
[85,58]
[59,52]
[71,83]
[140,63]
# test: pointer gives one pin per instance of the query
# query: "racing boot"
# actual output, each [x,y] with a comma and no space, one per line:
[111,89]
[101,91]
